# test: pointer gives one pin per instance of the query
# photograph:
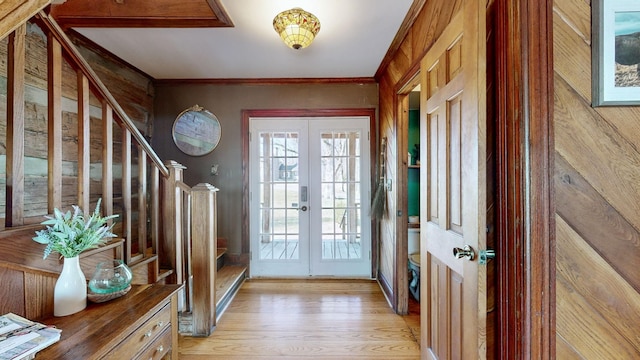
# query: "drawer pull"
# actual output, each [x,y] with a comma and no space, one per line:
[160,349]
[148,334]
[160,323]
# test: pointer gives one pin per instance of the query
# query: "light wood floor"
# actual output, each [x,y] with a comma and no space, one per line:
[310,319]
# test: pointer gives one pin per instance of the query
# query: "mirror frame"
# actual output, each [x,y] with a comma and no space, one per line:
[196,131]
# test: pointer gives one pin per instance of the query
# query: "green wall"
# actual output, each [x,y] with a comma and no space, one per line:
[413,182]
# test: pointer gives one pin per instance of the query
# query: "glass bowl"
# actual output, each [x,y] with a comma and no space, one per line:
[110,276]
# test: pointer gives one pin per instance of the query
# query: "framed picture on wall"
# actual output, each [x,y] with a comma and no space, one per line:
[615,49]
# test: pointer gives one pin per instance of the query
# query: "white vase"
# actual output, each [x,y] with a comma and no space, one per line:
[70,293]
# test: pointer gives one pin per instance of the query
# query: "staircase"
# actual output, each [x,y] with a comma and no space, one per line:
[161,219]
[229,278]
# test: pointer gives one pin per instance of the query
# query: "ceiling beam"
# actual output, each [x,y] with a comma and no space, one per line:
[220,12]
[140,13]
[13,13]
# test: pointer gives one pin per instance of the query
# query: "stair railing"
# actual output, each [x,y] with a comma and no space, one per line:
[156,205]
[204,235]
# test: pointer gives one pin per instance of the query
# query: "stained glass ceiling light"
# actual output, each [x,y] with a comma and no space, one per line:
[296,27]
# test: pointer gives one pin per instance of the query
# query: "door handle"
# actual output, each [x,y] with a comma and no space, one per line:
[303,208]
[466,252]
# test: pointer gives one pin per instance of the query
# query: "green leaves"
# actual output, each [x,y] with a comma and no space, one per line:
[70,234]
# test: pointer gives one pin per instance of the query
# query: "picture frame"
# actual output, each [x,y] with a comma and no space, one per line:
[615,48]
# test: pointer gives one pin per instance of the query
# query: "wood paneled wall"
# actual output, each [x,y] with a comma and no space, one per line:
[597,180]
[429,24]
[131,88]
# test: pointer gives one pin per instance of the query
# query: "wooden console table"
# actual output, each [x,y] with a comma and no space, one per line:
[140,325]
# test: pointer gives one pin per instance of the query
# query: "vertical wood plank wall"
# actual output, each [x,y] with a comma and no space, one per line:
[60,189]
[597,186]
[429,24]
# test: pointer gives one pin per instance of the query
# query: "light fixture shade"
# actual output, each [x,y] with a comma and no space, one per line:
[296,27]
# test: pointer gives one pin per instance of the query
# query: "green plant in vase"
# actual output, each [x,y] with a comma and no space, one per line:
[69,234]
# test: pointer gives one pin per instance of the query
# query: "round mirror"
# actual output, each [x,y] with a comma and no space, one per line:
[196,131]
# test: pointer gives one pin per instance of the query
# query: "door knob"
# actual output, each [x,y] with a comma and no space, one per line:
[303,208]
[467,251]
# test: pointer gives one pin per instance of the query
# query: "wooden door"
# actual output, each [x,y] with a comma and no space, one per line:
[453,204]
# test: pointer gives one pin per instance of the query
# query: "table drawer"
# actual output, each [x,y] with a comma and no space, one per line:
[144,335]
[159,348]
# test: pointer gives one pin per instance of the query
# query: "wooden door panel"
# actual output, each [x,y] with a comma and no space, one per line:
[454,58]
[454,154]
[432,168]
[446,326]
[435,78]
[440,246]
[453,204]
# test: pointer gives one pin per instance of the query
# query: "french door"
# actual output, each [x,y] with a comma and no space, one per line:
[309,191]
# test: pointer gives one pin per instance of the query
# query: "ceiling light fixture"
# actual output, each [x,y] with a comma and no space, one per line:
[296,27]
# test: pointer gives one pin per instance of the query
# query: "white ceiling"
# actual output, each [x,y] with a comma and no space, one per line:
[353,39]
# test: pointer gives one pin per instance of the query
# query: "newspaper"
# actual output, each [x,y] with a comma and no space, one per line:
[21,338]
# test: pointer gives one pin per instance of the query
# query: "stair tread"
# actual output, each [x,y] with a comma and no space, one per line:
[226,278]
[142,261]
[163,273]
[220,252]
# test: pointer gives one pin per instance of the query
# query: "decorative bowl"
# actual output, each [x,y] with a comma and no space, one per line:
[110,277]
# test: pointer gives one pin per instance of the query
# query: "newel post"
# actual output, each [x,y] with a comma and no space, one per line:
[170,253]
[204,229]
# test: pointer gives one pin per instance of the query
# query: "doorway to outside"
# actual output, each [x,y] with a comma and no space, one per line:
[309,189]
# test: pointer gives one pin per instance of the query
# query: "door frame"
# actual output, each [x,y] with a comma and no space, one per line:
[304,113]
[523,55]
[401,282]
[525,152]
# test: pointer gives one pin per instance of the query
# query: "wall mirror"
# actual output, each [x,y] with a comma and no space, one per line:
[196,131]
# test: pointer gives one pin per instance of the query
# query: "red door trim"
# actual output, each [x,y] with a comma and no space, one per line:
[526,227]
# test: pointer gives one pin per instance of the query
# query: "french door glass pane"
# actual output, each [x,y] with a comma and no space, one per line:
[341,217]
[279,230]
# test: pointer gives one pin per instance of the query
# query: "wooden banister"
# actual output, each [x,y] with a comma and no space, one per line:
[101,90]
[204,229]
[54,127]
[173,209]
[15,127]
[160,236]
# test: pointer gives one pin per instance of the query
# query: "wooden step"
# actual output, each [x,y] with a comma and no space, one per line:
[163,273]
[228,281]
[90,259]
[30,252]
[144,270]
[220,252]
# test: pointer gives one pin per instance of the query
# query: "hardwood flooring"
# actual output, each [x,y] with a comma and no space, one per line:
[310,319]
